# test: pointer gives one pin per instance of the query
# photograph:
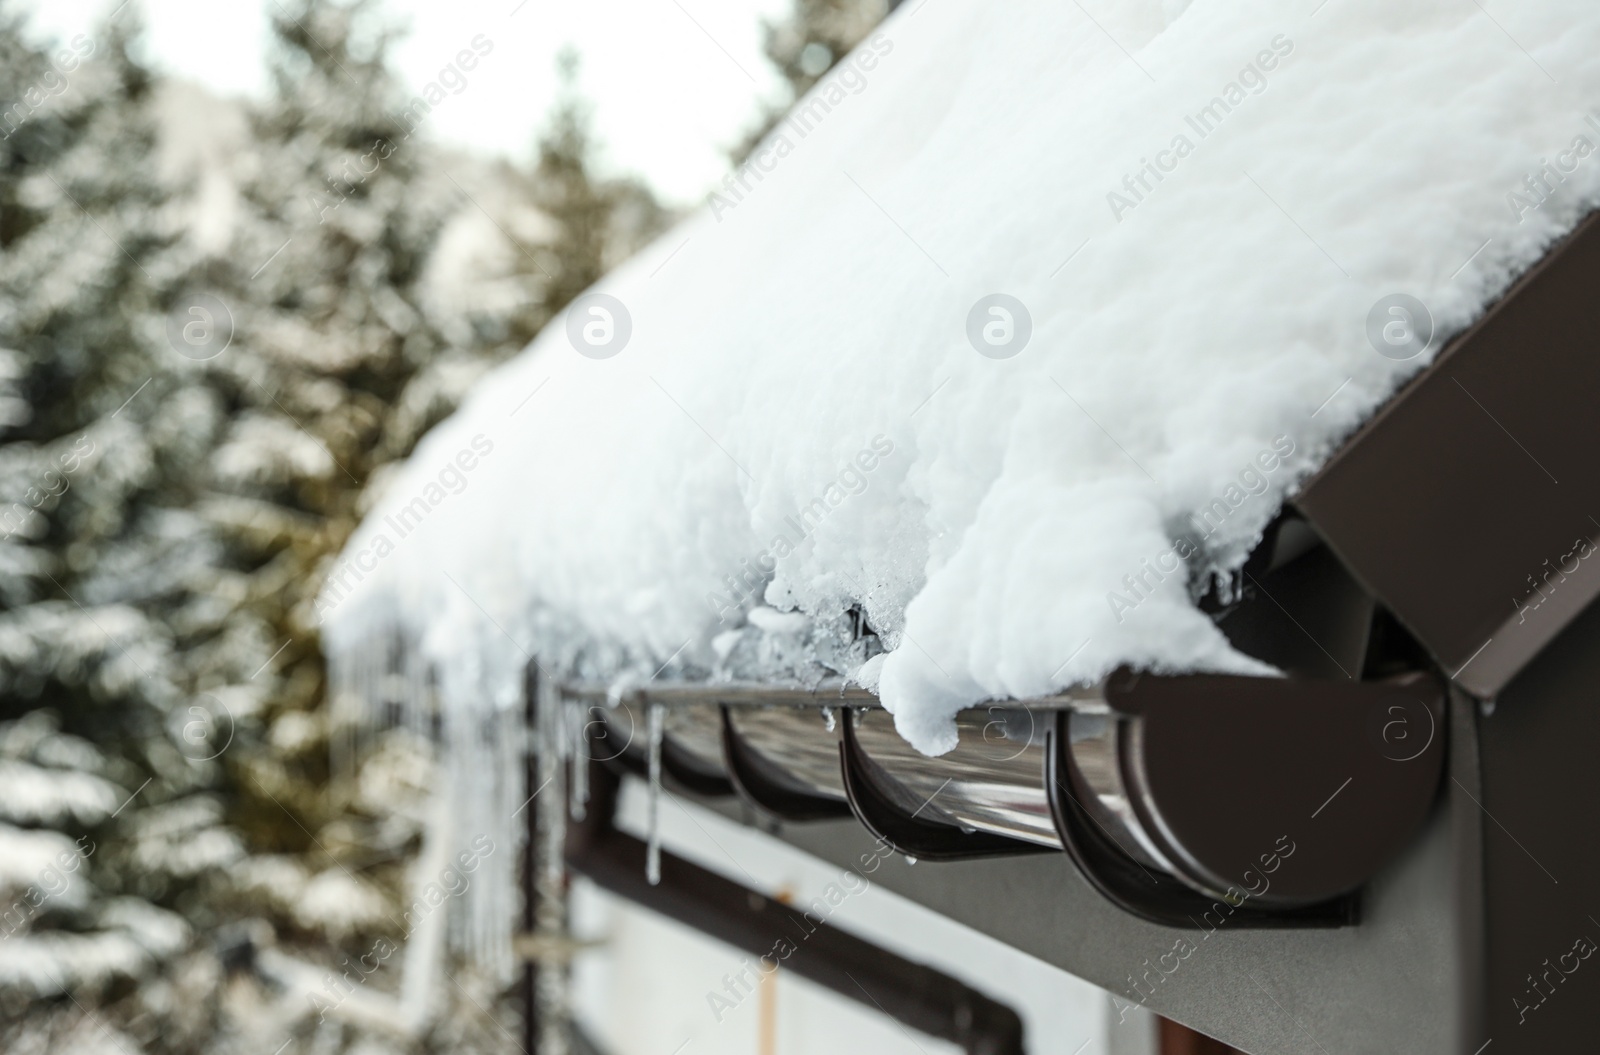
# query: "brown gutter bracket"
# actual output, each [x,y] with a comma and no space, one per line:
[909,833]
[679,768]
[768,786]
[913,994]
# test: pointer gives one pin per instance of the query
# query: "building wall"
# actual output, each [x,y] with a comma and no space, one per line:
[647,990]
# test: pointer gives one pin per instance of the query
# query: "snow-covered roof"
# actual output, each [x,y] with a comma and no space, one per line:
[1019,327]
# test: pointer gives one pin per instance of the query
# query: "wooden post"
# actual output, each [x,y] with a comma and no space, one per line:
[1176,1039]
[530,863]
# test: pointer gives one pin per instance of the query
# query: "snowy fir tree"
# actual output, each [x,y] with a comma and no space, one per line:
[529,240]
[111,831]
[197,404]
[599,221]
[332,371]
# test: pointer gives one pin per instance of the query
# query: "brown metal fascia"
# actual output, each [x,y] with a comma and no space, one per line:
[1470,503]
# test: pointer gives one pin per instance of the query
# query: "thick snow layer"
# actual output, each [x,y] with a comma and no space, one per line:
[1199,207]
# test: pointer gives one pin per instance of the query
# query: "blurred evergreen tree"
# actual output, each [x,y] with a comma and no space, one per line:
[190,429]
[110,828]
[555,229]
[598,221]
[342,357]
[334,371]
[804,47]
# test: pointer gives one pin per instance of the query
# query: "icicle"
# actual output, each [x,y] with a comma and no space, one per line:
[578,801]
[828,720]
[652,866]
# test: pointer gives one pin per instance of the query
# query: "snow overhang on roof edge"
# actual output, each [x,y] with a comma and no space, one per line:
[1166,368]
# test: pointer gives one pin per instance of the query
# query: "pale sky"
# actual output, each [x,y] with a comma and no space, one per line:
[673,82]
